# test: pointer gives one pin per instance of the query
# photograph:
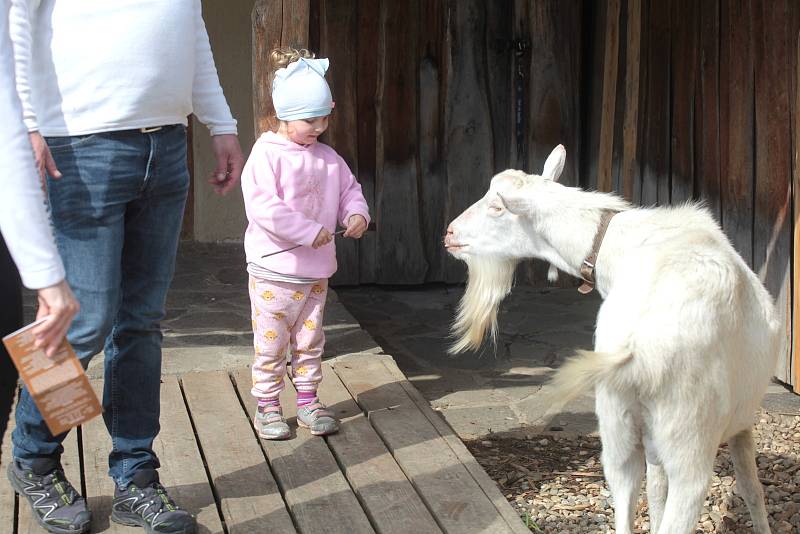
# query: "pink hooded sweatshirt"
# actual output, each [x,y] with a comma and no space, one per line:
[290,192]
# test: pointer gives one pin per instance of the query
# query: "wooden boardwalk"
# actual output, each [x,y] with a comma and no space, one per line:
[395,467]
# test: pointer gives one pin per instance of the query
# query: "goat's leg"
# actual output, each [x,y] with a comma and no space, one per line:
[743,453]
[656,493]
[622,456]
[689,472]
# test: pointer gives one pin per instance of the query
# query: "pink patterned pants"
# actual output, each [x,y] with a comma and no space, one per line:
[286,316]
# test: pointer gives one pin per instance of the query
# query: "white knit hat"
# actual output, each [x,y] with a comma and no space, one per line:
[299,91]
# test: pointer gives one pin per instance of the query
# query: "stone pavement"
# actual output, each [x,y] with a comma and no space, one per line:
[208,327]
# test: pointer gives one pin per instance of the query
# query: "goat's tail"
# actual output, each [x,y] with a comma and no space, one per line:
[581,373]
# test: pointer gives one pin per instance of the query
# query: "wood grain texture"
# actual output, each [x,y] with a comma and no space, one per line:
[630,167]
[400,255]
[179,455]
[266,22]
[386,494]
[366,88]
[339,43]
[737,126]
[608,113]
[443,482]
[315,490]
[468,135]
[433,177]
[655,129]
[248,494]
[707,113]
[772,203]
[684,56]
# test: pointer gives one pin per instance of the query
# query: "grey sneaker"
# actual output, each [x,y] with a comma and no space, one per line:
[145,503]
[56,506]
[270,424]
[318,419]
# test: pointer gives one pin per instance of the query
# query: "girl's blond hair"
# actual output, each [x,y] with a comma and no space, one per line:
[280,57]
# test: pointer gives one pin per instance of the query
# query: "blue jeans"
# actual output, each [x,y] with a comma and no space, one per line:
[117,213]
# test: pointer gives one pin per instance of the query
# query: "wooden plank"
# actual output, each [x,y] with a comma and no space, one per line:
[400,256]
[433,186]
[99,486]
[684,69]
[655,158]
[795,363]
[181,470]
[444,483]
[468,136]
[737,125]
[387,496]
[8,515]
[366,89]
[296,15]
[248,494]
[488,485]
[707,115]
[499,55]
[554,96]
[70,461]
[630,160]
[773,208]
[338,42]
[315,490]
[608,113]
[266,28]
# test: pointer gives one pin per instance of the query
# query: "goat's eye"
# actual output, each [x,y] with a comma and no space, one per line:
[495,209]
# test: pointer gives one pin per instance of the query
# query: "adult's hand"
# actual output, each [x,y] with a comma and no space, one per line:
[60,304]
[229,162]
[44,160]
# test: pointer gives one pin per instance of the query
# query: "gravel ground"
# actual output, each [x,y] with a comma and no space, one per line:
[557,486]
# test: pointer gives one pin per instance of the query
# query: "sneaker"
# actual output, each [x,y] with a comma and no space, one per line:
[145,503]
[270,424]
[56,506]
[318,419]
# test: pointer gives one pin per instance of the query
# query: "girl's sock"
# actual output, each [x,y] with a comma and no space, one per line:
[268,403]
[306,397]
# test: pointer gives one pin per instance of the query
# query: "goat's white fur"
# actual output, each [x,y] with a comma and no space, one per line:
[685,344]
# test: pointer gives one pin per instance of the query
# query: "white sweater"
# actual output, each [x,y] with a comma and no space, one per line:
[23,218]
[90,66]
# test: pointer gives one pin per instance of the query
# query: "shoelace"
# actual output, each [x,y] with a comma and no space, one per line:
[161,498]
[66,492]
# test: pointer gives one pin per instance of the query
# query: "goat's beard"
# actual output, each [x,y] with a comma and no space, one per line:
[489,281]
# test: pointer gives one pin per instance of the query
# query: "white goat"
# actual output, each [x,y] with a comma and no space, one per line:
[686,338]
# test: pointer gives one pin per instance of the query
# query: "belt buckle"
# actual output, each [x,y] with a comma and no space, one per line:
[150,130]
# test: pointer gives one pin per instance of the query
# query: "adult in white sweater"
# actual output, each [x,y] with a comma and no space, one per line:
[106,90]
[25,230]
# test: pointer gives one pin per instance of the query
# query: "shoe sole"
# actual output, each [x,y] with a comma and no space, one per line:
[133,520]
[14,481]
[271,438]
[317,432]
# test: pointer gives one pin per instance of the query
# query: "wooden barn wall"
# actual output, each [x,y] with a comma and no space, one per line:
[698,101]
[663,101]
[432,99]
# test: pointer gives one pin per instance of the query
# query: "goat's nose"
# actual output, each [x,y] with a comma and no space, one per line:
[450,230]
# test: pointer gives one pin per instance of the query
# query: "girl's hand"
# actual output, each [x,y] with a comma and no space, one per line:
[356,226]
[323,238]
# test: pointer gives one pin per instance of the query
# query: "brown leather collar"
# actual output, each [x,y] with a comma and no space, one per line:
[587,267]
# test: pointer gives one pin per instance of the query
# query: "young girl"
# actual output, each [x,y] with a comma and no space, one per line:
[296,190]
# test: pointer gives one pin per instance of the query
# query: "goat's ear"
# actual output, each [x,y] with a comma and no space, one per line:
[518,205]
[555,163]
